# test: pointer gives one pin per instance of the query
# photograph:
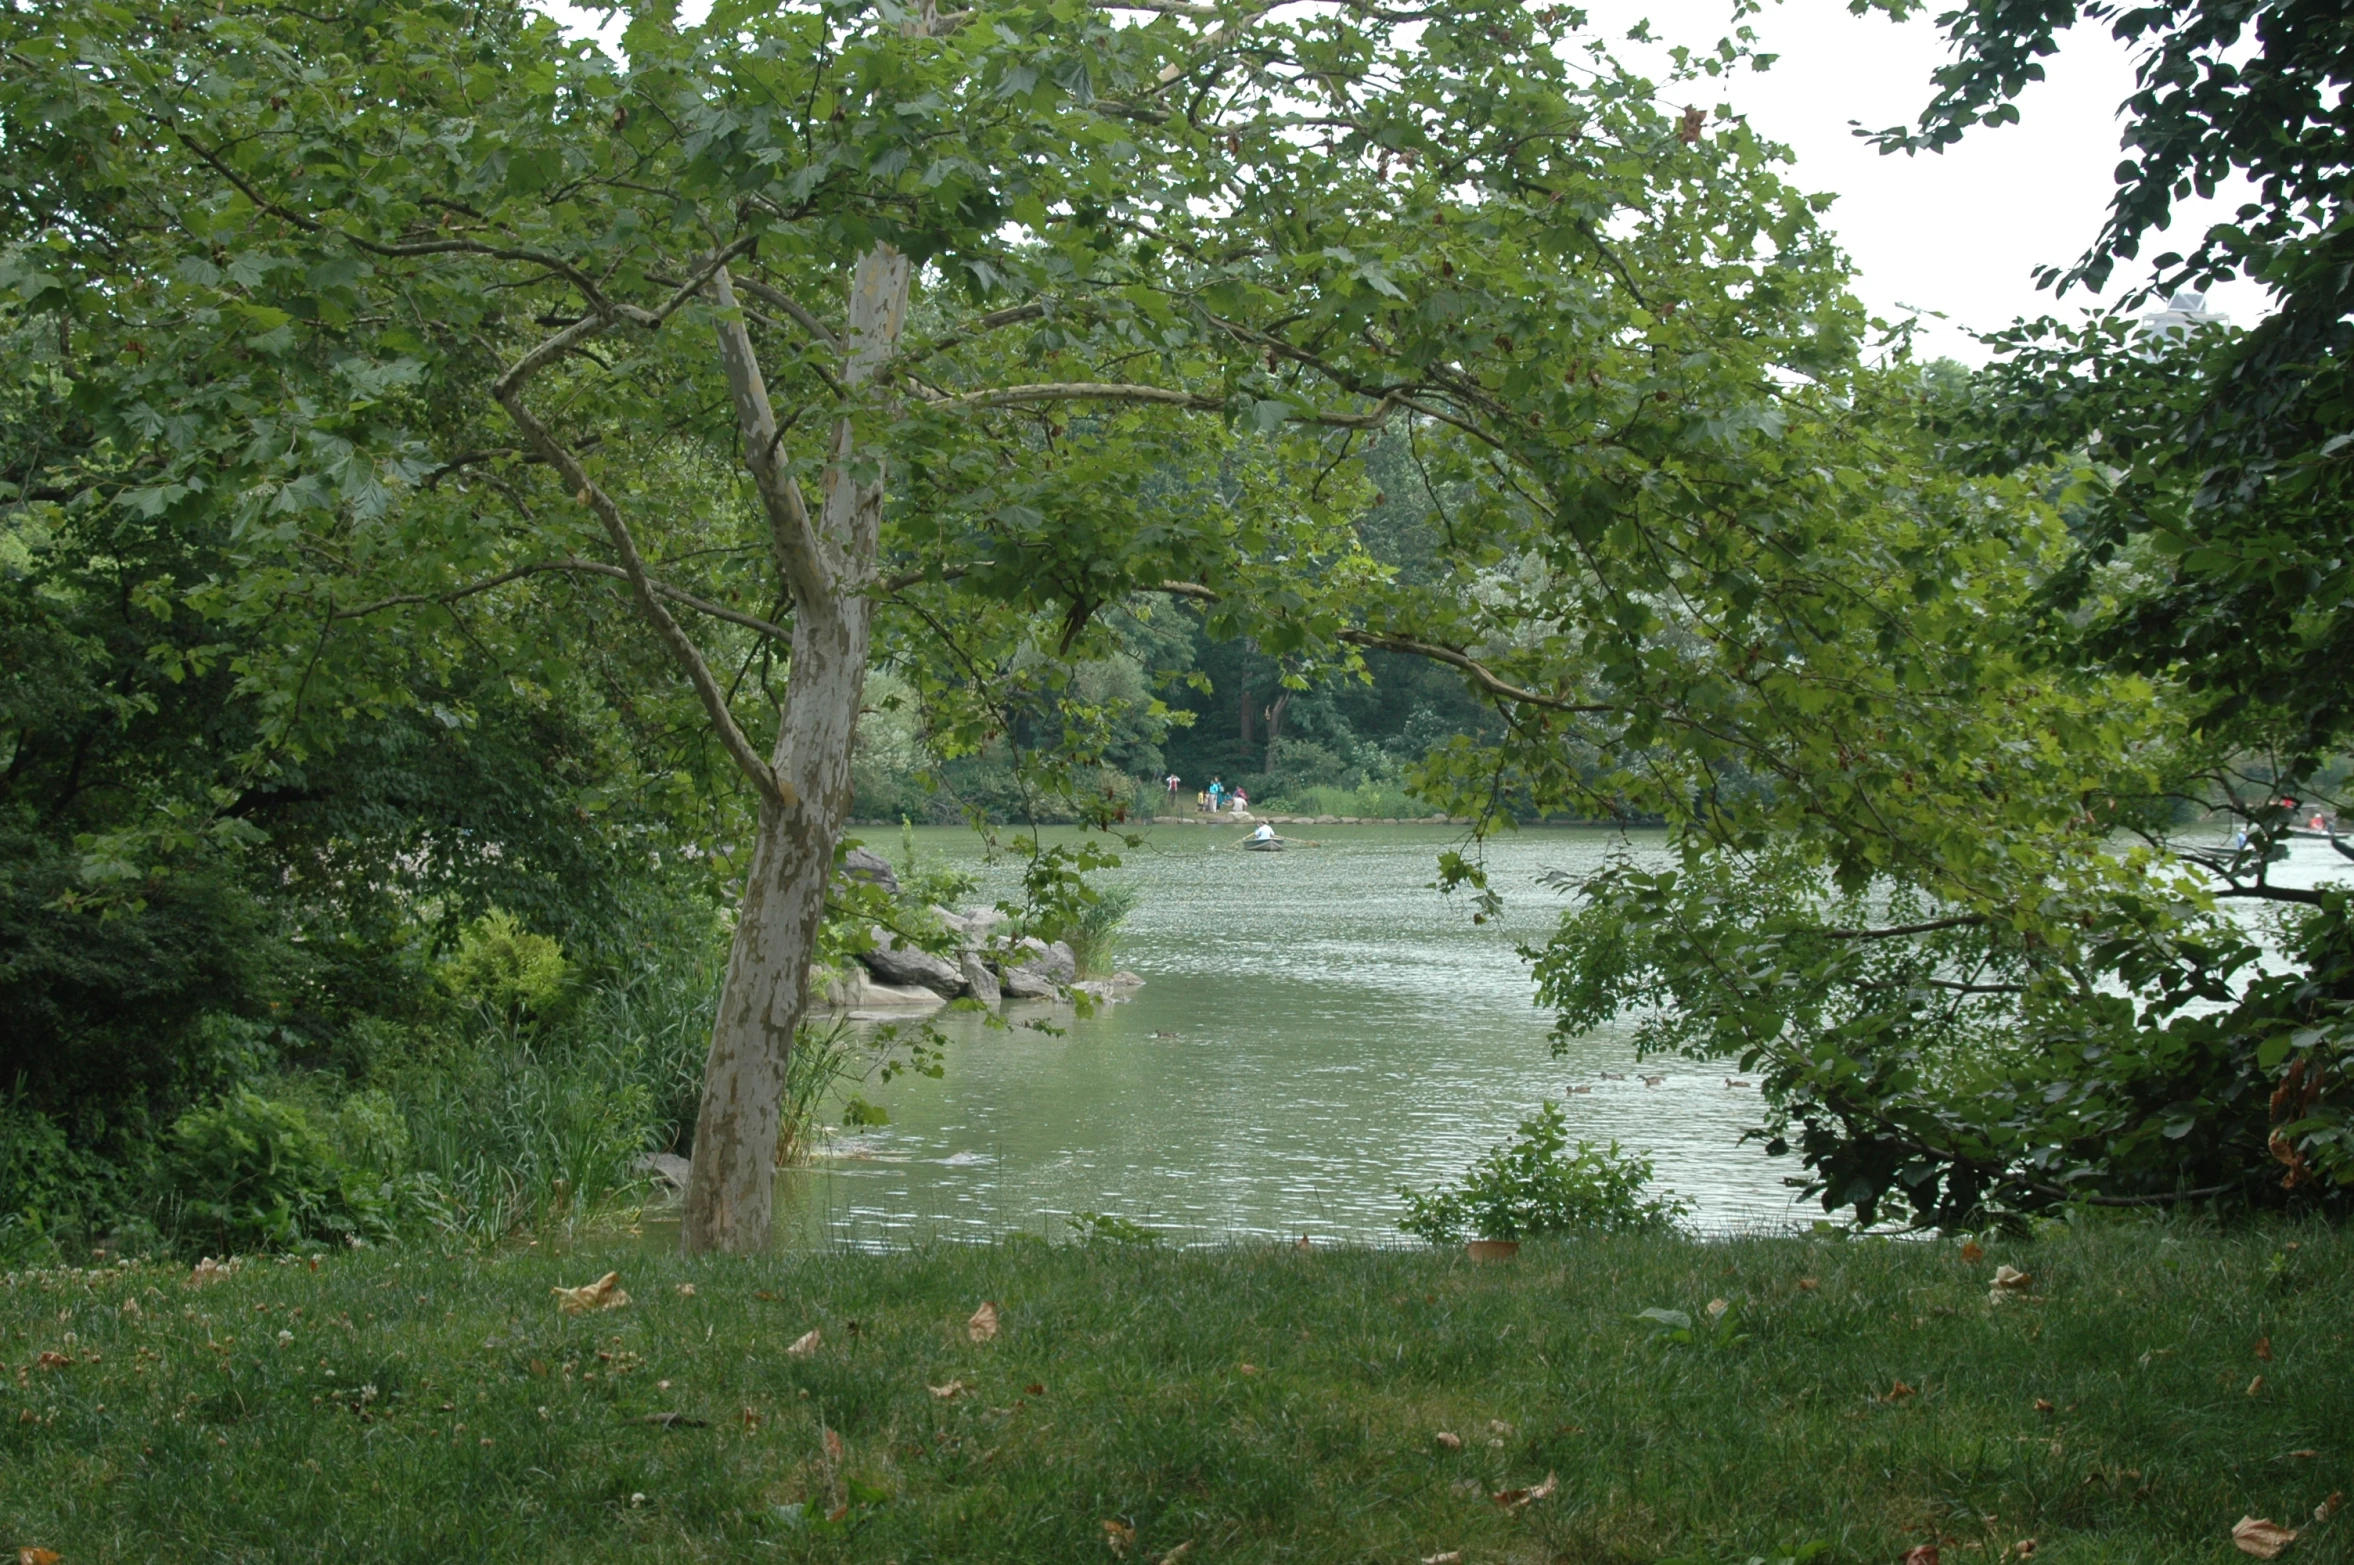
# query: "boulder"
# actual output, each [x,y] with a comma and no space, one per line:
[668,1169]
[971,928]
[979,982]
[861,864]
[895,963]
[859,990]
[1027,983]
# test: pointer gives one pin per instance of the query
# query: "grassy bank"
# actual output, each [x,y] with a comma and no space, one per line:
[1255,1404]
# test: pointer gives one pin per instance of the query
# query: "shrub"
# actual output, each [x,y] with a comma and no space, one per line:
[1534,1184]
[1093,933]
[503,966]
[252,1173]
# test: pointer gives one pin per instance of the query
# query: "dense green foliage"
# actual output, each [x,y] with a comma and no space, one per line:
[1535,1184]
[1258,1403]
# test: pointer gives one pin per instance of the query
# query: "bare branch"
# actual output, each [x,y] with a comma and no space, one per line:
[790,529]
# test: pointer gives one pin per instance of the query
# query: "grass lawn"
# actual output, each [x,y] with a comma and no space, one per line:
[2149,1386]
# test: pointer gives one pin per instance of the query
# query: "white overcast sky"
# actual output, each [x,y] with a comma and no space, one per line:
[1959,233]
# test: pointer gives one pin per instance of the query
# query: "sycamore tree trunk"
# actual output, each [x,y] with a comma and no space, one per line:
[830,567]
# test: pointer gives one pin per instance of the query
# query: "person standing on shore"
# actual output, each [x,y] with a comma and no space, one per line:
[1171,781]
[1217,794]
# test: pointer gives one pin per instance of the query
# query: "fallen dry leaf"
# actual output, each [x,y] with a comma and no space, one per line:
[1120,1536]
[33,1556]
[2264,1349]
[603,1294]
[686,1290]
[2305,1455]
[833,1444]
[1717,1308]
[805,1344]
[1972,1252]
[983,1325]
[2264,1539]
[1177,1553]
[1514,1499]
[2012,1277]
[1808,1284]
[2042,1405]
[2256,1386]
[949,1392]
[1898,1392]
[1452,1441]
[1451,1557]
[1034,1389]
[2329,1507]
[50,1360]
[1921,1554]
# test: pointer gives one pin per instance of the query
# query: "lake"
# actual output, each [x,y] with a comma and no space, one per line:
[1316,1028]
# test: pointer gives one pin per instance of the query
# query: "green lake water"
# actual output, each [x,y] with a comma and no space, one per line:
[1316,1028]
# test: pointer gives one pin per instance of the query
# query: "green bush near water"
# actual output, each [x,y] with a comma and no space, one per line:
[1535,1184]
[413,1406]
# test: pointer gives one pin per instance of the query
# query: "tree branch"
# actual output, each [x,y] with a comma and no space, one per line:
[1483,676]
[772,788]
[789,527]
[573,567]
[1893,931]
[1161,396]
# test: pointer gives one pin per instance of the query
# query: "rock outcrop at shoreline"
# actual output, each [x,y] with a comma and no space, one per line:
[898,976]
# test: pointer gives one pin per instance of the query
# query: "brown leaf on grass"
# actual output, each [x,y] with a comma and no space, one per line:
[1515,1499]
[2262,1538]
[2043,1405]
[1120,1536]
[1921,1554]
[2306,1455]
[1717,1308]
[603,1294]
[1972,1252]
[2256,1386]
[2329,1507]
[1177,1553]
[1898,1392]
[686,1290]
[1808,1284]
[1250,1369]
[833,1444]
[2011,1277]
[949,1392]
[1449,1439]
[32,1556]
[2264,1349]
[983,1325]
[805,1344]
[1034,1389]
[51,1360]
